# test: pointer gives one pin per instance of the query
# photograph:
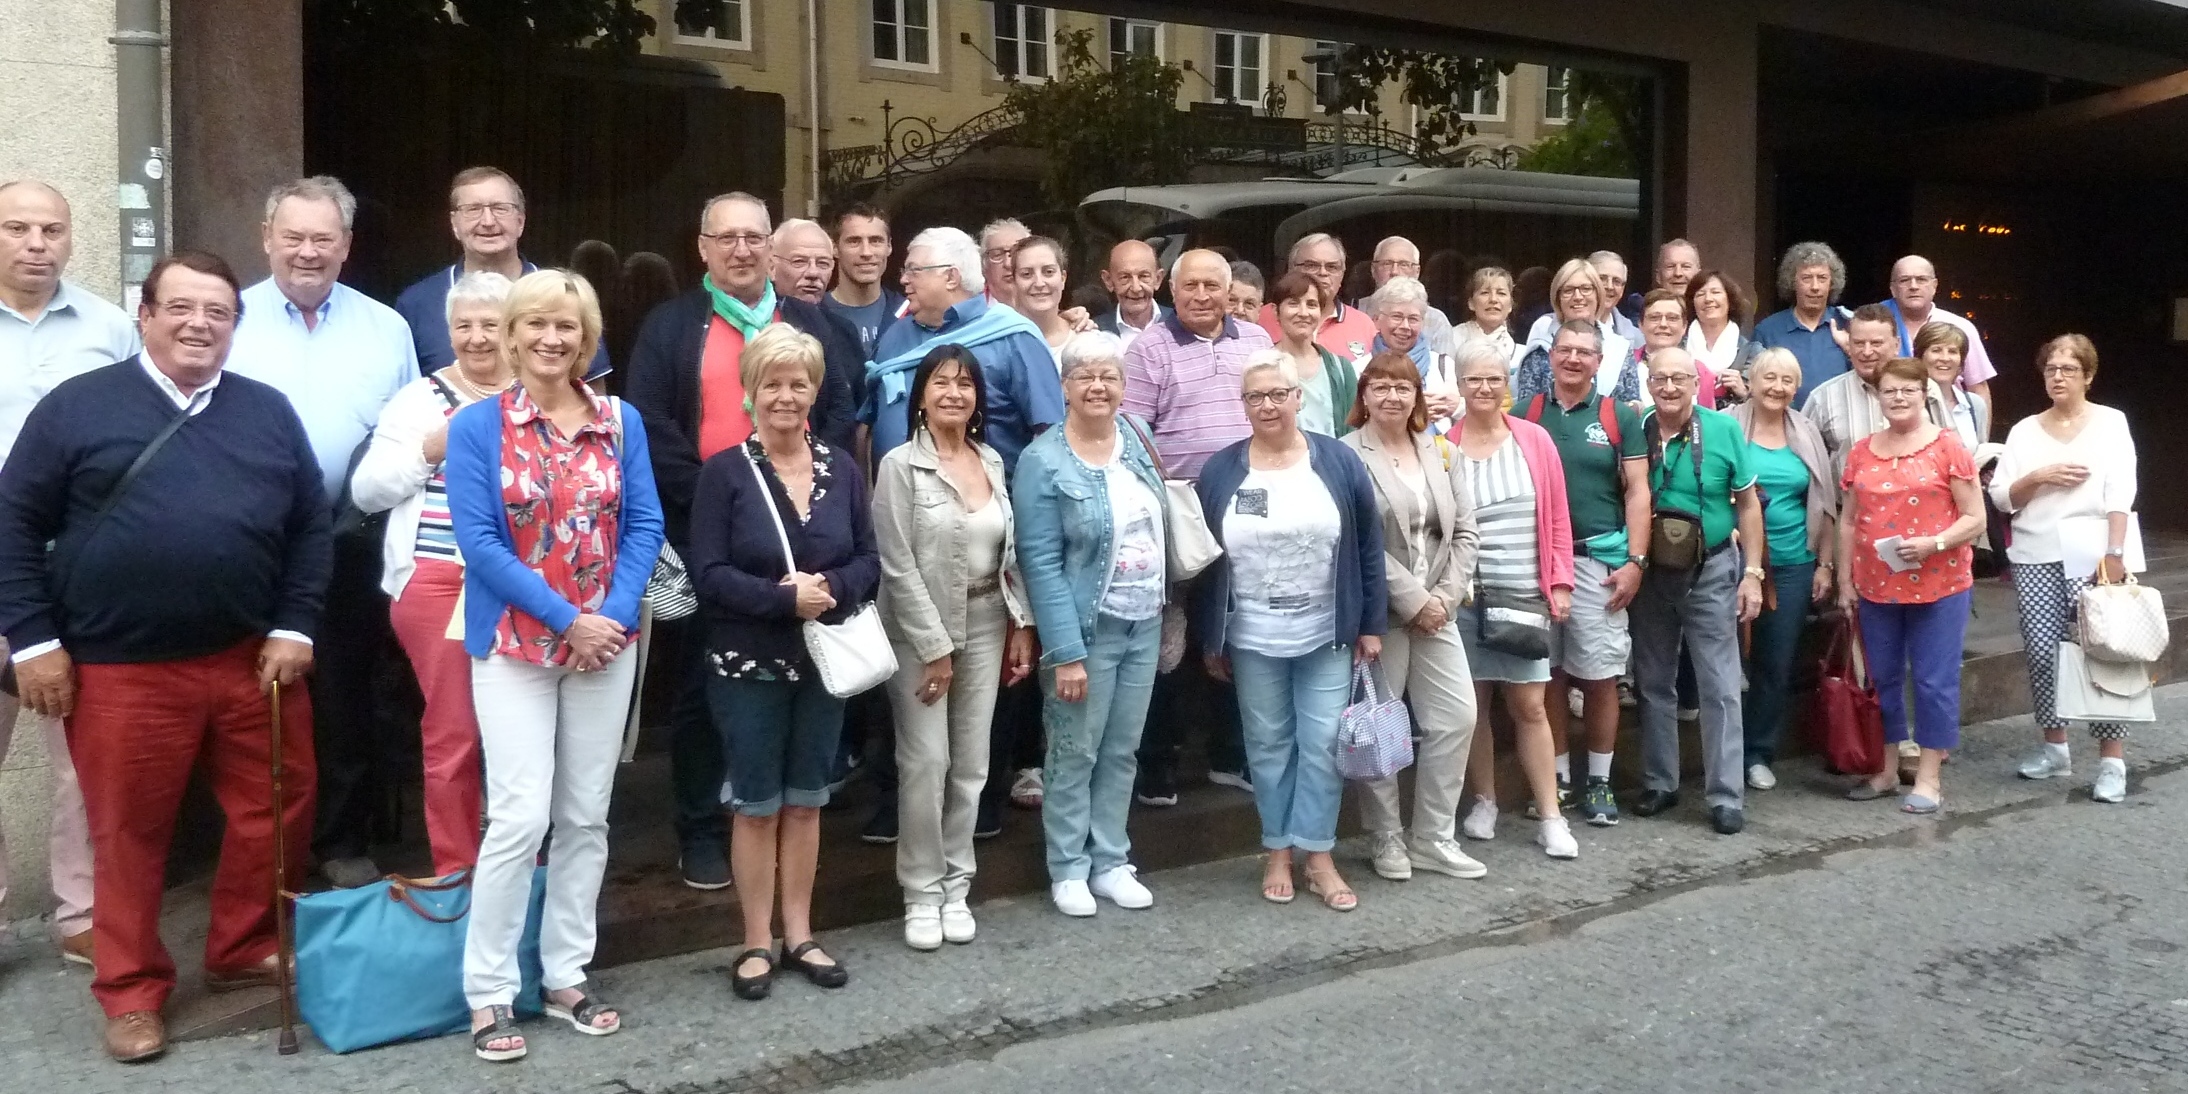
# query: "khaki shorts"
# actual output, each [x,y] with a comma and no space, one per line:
[1593,643]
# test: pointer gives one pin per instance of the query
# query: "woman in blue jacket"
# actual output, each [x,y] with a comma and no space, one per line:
[1296,599]
[551,495]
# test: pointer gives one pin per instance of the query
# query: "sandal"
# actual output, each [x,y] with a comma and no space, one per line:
[1869,792]
[1277,891]
[823,976]
[1921,805]
[752,987]
[1338,898]
[502,1028]
[580,1014]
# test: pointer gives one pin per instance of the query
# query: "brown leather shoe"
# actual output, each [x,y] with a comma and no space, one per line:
[260,975]
[76,948]
[136,1036]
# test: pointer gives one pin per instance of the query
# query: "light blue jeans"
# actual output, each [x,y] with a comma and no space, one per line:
[1092,747]
[1288,708]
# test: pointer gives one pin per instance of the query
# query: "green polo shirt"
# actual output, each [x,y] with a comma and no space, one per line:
[1595,495]
[1727,467]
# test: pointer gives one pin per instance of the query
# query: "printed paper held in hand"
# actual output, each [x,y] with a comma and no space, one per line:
[1888,550]
[2082,542]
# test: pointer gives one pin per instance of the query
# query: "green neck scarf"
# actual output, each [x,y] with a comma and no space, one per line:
[747,319]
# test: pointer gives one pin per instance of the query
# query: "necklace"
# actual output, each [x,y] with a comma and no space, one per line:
[477,393]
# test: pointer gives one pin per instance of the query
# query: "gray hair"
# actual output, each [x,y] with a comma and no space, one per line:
[1799,257]
[478,287]
[793,224]
[1178,264]
[1775,357]
[316,188]
[952,247]
[1094,347]
[1312,239]
[1269,360]
[733,195]
[1397,290]
[1003,224]
[1482,349]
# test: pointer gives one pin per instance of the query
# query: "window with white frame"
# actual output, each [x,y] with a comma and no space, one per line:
[1133,38]
[715,22]
[1557,94]
[904,33]
[1486,102]
[1021,41]
[1238,66]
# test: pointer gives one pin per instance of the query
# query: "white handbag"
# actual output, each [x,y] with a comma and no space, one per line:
[851,656]
[2096,691]
[2123,623]
[1190,544]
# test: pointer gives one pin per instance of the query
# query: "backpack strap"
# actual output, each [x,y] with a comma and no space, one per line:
[1534,407]
[1606,411]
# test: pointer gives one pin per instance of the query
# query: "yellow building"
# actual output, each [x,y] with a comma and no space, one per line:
[861,65]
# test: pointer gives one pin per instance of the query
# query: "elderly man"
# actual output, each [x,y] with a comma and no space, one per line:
[1599,442]
[1913,305]
[1812,276]
[1132,278]
[684,381]
[339,356]
[486,214]
[997,241]
[1845,408]
[1610,273]
[1345,331]
[862,257]
[1182,378]
[50,330]
[1396,256]
[106,603]
[805,261]
[1699,468]
[1676,264]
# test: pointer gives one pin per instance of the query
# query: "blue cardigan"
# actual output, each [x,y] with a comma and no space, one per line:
[1362,599]
[494,579]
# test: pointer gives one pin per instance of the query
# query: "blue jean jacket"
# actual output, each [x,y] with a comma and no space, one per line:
[1065,530]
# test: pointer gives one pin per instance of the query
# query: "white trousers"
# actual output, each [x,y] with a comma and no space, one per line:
[68,835]
[1438,686]
[551,738]
[942,758]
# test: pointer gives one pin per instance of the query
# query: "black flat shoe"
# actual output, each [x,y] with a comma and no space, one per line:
[824,976]
[1652,802]
[752,987]
[1727,819]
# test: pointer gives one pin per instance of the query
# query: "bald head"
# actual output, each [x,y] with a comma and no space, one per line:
[1131,278]
[1914,287]
[35,241]
[804,260]
[1672,383]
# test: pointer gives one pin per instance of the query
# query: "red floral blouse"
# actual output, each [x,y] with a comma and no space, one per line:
[1907,496]
[562,496]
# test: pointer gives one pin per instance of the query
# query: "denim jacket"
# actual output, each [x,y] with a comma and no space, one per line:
[919,524]
[1065,532]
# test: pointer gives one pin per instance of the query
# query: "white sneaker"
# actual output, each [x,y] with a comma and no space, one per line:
[1072,898]
[1556,838]
[1481,820]
[2049,761]
[1388,853]
[2111,784]
[1760,777]
[1443,856]
[923,927]
[1120,887]
[957,923]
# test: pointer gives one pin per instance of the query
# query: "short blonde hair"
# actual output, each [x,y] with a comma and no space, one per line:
[1269,360]
[780,344]
[1776,357]
[546,290]
[1576,269]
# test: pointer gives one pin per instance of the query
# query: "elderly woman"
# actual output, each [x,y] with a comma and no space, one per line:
[1516,481]
[1295,600]
[1428,565]
[949,594]
[779,724]
[1329,379]
[1714,339]
[1943,350]
[550,493]
[1800,506]
[421,566]
[1910,490]
[2066,473]
[1037,274]
[1091,521]
[1575,293]
[1488,312]
[1400,307]
[1248,288]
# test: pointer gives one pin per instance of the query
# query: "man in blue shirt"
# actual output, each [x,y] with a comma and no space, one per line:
[943,283]
[338,356]
[862,258]
[1813,329]
[486,213]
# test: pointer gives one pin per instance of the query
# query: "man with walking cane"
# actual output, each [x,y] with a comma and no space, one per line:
[191,546]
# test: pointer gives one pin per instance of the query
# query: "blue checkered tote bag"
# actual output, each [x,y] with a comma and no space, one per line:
[1374,735]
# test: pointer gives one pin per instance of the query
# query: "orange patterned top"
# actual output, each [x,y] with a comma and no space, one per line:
[1907,496]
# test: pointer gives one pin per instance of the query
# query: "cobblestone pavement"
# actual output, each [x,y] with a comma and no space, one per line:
[2030,940]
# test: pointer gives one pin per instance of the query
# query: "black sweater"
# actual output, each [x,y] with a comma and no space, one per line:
[225,534]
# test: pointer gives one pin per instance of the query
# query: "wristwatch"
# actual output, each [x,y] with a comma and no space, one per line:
[1757,572]
[2116,552]
[1638,562]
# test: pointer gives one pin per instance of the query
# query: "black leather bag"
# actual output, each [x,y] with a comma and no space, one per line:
[1676,542]
[1513,623]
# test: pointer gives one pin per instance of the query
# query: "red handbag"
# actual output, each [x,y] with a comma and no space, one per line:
[1846,717]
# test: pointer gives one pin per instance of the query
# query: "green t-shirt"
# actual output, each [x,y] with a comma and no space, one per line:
[1784,482]
[1595,495]
[1726,467]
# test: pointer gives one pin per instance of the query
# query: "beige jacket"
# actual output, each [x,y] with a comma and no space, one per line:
[919,525]
[1454,570]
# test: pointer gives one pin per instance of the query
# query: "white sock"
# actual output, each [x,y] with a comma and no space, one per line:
[1599,765]
[2058,747]
[1564,767]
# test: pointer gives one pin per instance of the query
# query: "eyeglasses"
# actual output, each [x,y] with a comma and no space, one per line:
[1482,381]
[804,263]
[478,210]
[1319,267]
[1385,391]
[1889,394]
[1275,397]
[1575,290]
[1673,379]
[750,241]
[1575,351]
[185,310]
[998,254]
[1083,378]
[929,266]
[2061,370]
[1396,264]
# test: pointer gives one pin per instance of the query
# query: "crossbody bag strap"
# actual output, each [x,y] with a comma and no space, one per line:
[1146,442]
[790,561]
[121,485]
[448,394]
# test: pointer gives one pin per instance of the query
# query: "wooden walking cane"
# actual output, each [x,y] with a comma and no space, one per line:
[285,947]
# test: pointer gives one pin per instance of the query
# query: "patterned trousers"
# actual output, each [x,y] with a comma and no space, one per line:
[2047,598]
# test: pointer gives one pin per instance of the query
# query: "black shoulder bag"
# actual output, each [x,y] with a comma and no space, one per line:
[1675,535]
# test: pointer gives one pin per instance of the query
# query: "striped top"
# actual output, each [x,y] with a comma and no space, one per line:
[1504,513]
[436,531]
[1187,389]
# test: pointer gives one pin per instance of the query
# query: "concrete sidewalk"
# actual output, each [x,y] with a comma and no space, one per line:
[1035,974]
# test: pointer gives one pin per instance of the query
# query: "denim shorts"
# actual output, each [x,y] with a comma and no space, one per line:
[779,739]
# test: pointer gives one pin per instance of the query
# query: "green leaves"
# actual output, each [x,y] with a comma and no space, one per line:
[1103,125]
[617,26]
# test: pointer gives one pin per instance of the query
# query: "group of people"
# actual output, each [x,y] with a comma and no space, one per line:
[246,488]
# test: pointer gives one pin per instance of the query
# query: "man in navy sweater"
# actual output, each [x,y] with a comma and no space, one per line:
[177,592]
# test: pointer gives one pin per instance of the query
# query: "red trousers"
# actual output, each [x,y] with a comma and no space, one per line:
[450,745]
[136,733]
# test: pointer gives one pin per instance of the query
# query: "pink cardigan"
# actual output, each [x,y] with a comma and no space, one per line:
[1553,518]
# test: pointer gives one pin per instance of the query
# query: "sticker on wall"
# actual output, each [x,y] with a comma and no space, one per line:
[141,232]
[133,196]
